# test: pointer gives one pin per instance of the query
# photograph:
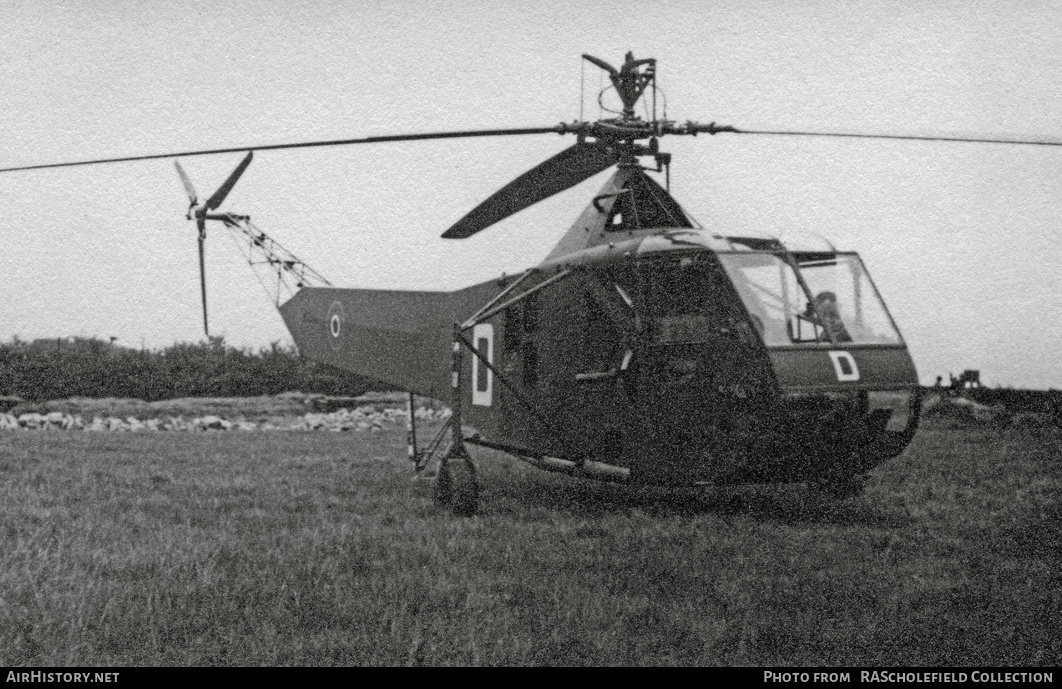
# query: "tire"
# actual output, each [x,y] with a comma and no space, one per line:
[456,488]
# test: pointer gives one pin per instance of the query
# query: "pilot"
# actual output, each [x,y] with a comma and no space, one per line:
[828,316]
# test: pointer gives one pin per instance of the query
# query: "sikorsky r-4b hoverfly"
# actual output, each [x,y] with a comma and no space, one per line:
[644,348]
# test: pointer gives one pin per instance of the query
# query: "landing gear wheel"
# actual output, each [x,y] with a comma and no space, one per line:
[455,485]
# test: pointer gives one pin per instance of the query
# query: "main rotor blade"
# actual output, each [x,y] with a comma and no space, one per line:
[223,191]
[562,171]
[193,197]
[1030,140]
[202,276]
[557,129]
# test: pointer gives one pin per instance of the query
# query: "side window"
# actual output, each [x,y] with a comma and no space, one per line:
[530,364]
[518,348]
[531,312]
[514,327]
[601,339]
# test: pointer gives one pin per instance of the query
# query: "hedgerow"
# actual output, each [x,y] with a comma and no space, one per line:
[88,367]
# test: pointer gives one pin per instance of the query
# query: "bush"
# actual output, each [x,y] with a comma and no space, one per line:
[80,367]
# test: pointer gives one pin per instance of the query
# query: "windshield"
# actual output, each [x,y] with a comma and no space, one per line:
[846,306]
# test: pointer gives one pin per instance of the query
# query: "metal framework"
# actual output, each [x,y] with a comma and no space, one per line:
[280,272]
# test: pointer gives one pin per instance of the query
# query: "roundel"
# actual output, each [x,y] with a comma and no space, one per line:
[334,323]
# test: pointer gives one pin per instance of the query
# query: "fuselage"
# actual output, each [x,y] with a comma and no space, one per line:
[676,355]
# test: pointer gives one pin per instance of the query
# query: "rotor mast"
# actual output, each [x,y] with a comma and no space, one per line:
[630,82]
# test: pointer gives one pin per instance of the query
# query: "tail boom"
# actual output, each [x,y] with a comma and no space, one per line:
[397,339]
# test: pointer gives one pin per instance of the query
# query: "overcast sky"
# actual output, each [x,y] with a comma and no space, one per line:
[962,239]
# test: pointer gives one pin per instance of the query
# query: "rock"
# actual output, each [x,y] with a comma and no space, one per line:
[31,420]
[212,422]
[368,417]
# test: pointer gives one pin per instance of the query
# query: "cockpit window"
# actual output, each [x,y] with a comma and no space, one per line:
[842,307]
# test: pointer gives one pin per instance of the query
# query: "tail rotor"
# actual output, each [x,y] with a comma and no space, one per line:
[199,211]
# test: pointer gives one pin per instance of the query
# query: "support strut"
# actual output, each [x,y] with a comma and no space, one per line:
[411,432]
[455,486]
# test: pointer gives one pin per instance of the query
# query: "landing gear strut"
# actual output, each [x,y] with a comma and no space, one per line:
[455,484]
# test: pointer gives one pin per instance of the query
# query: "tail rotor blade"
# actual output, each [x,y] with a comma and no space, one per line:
[223,191]
[202,274]
[552,176]
[193,197]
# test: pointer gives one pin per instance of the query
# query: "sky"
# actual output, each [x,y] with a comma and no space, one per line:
[961,239]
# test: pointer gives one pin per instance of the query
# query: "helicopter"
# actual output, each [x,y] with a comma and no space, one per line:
[645,348]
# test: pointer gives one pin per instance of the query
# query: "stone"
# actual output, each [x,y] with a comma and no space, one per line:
[30,420]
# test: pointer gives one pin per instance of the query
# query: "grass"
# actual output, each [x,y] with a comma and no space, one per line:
[318,549]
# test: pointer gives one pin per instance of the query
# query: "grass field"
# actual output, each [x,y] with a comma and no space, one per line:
[318,549]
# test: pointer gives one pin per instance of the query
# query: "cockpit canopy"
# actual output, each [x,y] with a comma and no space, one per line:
[839,304]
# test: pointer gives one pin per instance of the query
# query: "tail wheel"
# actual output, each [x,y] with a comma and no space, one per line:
[456,487]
